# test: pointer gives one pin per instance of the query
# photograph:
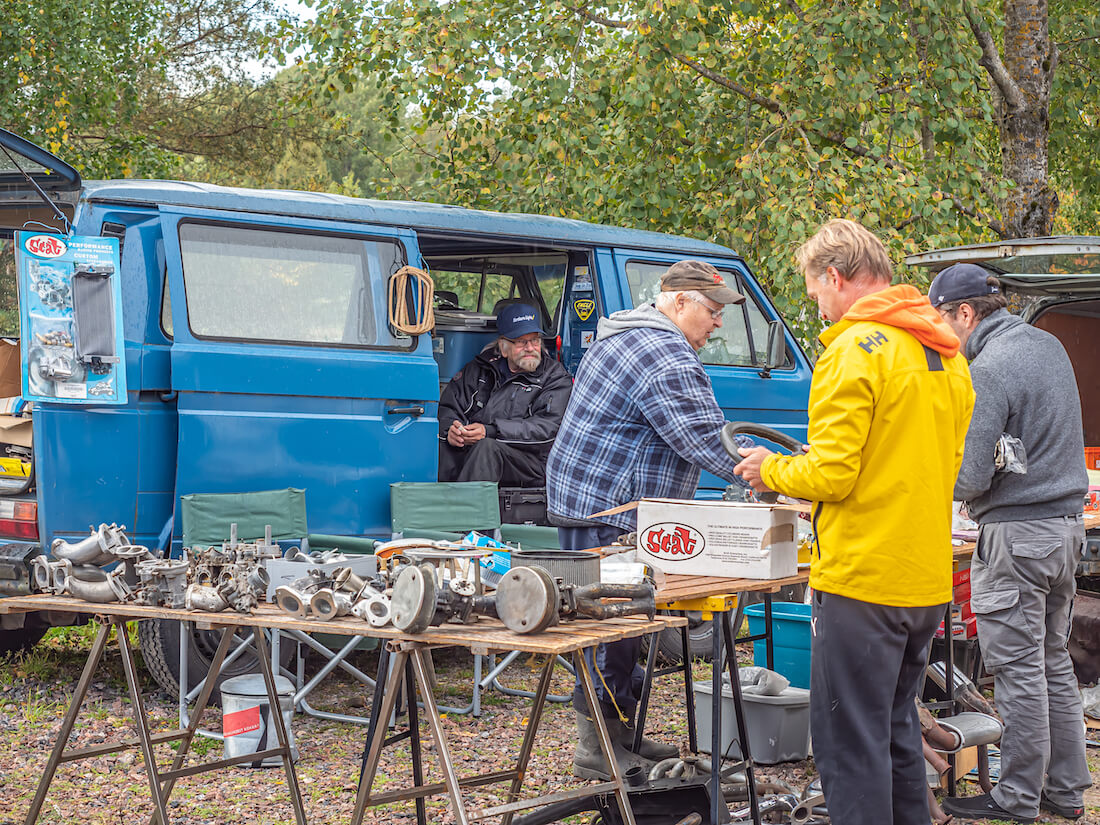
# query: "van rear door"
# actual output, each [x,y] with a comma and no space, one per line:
[286,370]
[29,175]
[735,355]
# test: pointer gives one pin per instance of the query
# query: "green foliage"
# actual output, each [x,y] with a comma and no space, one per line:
[747,123]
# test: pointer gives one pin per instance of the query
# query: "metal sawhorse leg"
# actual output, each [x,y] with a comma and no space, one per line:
[723,644]
[410,665]
[161,782]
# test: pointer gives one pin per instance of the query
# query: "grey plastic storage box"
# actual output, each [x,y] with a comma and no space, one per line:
[779,726]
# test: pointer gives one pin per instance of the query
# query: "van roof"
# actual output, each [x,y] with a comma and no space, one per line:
[424,216]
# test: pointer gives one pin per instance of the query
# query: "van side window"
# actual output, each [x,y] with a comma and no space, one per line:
[264,285]
[742,339]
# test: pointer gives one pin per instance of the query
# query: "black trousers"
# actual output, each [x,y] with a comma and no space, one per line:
[867,664]
[489,460]
[614,666]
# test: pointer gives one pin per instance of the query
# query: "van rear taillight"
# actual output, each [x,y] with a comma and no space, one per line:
[19,519]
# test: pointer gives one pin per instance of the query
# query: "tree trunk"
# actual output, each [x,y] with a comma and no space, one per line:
[1030,58]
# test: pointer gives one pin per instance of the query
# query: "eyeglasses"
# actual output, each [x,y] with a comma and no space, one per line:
[519,344]
[714,313]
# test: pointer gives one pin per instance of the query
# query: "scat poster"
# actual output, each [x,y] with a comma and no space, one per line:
[70,300]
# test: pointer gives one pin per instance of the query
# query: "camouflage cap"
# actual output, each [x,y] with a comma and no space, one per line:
[684,276]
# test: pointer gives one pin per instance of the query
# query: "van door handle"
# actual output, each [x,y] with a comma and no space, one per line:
[414,410]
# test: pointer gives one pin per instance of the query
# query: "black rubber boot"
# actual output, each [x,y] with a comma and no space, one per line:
[588,761]
[649,749]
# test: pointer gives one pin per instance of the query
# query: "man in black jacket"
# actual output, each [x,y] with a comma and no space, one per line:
[500,413]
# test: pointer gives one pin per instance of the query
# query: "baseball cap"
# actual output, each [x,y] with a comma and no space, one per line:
[516,320]
[683,276]
[959,282]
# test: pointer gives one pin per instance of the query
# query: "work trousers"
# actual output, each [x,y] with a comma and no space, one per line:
[1022,590]
[614,666]
[867,663]
[490,460]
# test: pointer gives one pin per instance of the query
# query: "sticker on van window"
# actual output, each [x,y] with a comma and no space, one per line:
[70,299]
[584,308]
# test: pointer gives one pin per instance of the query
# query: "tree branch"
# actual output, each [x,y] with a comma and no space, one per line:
[602,21]
[797,10]
[991,60]
[733,86]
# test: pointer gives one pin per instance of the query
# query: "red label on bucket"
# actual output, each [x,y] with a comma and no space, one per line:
[241,721]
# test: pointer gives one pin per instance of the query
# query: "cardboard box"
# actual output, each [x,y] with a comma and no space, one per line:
[15,429]
[11,381]
[718,538]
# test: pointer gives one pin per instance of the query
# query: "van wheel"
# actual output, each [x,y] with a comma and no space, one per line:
[160,648]
[13,641]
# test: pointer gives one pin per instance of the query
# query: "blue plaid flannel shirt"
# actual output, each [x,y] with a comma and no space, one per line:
[642,421]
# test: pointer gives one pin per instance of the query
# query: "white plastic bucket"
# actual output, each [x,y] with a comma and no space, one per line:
[246,717]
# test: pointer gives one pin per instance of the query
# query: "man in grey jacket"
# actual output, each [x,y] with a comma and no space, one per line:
[1030,539]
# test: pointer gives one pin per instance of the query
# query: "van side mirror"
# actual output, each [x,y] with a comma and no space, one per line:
[777,349]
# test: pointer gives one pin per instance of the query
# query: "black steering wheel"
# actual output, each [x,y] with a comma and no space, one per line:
[736,428]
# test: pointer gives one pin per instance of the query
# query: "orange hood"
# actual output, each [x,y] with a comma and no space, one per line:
[904,307]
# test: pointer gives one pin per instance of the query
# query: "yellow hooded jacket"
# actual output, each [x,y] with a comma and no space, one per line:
[889,409]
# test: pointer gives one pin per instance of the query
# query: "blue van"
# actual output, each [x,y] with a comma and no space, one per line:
[260,353]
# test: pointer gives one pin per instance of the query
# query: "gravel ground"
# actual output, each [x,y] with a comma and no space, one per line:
[112,789]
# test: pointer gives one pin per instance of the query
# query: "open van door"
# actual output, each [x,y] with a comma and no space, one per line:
[37,190]
[1048,270]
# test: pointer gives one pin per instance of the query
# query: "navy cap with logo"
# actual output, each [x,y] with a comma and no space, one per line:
[959,282]
[516,320]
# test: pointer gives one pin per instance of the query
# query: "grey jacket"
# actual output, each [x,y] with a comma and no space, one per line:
[1025,387]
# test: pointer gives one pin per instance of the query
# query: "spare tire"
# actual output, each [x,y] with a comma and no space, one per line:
[23,638]
[160,648]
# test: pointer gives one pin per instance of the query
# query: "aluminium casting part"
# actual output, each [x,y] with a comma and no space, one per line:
[375,609]
[292,601]
[327,604]
[162,582]
[204,597]
[529,600]
[97,548]
[419,603]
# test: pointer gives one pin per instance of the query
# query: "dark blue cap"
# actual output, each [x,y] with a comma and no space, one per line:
[516,320]
[959,282]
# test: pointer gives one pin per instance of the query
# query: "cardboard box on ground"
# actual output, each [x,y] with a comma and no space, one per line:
[13,429]
[716,538]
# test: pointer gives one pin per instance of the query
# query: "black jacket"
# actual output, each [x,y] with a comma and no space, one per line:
[524,410]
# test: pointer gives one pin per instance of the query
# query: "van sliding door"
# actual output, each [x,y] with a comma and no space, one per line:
[287,372]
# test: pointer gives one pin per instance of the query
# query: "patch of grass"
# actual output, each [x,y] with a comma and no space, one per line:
[38,709]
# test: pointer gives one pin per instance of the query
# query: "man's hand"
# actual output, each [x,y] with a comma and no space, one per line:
[456,434]
[463,435]
[474,433]
[749,468]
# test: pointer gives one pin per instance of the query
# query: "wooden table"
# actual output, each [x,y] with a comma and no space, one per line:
[409,663]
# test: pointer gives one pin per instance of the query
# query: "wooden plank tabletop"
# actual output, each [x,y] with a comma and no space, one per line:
[674,587]
[484,636]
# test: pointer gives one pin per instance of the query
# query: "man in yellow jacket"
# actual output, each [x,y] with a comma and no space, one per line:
[889,409]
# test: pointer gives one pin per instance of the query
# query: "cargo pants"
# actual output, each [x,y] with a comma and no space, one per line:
[1022,590]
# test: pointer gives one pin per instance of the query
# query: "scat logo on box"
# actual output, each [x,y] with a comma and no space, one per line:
[45,246]
[673,541]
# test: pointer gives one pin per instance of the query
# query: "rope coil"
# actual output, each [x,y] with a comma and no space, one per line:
[409,280]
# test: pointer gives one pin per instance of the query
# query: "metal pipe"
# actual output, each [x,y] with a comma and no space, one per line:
[938,763]
[782,802]
[100,592]
[939,816]
[94,549]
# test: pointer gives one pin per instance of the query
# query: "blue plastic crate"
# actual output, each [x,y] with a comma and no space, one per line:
[790,640]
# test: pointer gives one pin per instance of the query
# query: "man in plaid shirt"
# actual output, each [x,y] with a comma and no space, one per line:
[642,421]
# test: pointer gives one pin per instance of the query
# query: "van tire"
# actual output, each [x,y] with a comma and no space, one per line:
[24,638]
[160,639]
